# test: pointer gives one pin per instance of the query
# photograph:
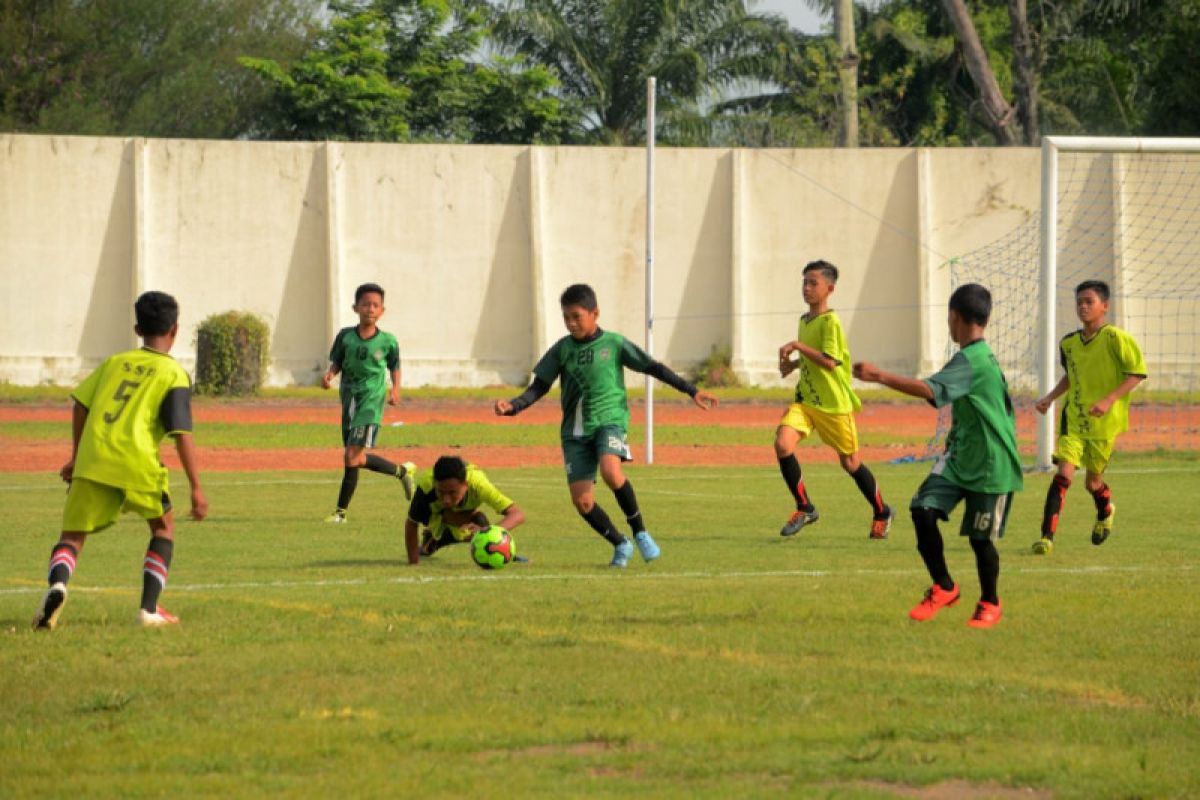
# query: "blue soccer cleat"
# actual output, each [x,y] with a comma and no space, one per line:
[621,554]
[646,546]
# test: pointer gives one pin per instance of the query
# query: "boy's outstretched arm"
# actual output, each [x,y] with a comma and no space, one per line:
[866,371]
[187,457]
[410,542]
[662,372]
[513,516]
[536,391]
[1123,388]
[1043,404]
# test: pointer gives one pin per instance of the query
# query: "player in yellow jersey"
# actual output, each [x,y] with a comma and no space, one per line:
[824,402]
[121,413]
[1103,364]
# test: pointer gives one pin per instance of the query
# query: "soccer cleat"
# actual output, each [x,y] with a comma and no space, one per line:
[1043,546]
[520,559]
[338,516]
[646,546]
[408,479]
[1103,527]
[986,615]
[798,520]
[52,603]
[621,554]
[880,528]
[936,598]
[159,618]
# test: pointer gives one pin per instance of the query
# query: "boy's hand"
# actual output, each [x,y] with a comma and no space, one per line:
[1101,408]
[326,380]
[68,471]
[394,397]
[199,505]
[787,367]
[503,408]
[866,371]
[705,400]
[1043,405]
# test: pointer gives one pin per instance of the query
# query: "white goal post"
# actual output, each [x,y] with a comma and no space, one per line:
[1184,207]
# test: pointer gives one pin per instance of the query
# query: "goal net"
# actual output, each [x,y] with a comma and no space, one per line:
[1124,211]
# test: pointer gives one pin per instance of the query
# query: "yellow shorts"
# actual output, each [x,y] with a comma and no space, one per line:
[836,430]
[92,506]
[1091,454]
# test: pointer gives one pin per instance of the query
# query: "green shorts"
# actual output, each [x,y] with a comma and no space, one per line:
[92,507]
[361,415]
[984,517]
[581,454]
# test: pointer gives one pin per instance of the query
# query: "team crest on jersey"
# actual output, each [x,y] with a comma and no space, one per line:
[377,355]
[604,354]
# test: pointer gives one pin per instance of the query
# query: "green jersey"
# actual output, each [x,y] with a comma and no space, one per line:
[133,399]
[827,390]
[981,448]
[480,491]
[593,380]
[366,366]
[1094,368]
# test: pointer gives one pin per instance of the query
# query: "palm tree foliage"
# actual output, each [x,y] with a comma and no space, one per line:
[603,52]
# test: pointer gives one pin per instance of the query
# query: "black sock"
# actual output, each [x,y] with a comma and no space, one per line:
[382,465]
[929,545]
[62,563]
[1103,499]
[789,467]
[602,525]
[1055,496]
[627,500]
[987,560]
[349,484]
[870,490]
[154,571]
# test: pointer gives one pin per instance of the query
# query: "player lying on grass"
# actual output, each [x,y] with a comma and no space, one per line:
[824,402]
[121,413]
[447,503]
[595,411]
[1102,365]
[979,466]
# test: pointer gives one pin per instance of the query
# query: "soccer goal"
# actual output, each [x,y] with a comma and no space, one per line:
[1125,211]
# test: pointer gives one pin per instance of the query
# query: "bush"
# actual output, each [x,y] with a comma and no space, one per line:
[716,371]
[231,354]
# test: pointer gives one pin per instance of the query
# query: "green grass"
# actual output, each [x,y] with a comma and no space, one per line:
[312,660]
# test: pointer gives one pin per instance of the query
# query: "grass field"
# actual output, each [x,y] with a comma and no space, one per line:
[312,660]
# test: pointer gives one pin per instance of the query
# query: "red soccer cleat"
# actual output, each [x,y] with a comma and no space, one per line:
[986,615]
[936,598]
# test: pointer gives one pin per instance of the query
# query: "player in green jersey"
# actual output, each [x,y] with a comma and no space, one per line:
[980,464]
[121,413]
[447,505]
[366,357]
[591,363]
[1102,365]
[824,402]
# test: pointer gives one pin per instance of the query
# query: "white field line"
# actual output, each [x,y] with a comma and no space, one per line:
[613,575]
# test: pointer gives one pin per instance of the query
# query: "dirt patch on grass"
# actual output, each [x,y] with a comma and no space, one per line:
[952,790]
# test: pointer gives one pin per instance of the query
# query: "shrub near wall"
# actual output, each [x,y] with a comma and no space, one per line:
[231,354]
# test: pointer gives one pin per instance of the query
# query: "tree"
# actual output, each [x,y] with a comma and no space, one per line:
[141,67]
[603,51]
[998,114]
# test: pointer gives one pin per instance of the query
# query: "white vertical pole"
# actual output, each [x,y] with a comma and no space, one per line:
[1049,276]
[650,82]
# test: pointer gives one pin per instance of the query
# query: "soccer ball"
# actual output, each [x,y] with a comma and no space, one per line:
[493,547]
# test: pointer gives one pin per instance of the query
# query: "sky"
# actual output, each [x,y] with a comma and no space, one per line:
[797,12]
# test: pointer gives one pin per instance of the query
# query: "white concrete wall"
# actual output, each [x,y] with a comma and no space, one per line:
[474,245]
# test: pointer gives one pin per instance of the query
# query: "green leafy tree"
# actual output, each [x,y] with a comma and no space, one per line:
[603,51]
[141,67]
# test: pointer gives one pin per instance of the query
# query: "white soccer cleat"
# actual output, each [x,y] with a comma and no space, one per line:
[409,479]
[159,618]
[52,603]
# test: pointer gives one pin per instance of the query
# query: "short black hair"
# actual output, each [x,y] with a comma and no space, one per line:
[156,312]
[365,289]
[579,294]
[1099,287]
[448,467]
[824,267]
[972,302]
